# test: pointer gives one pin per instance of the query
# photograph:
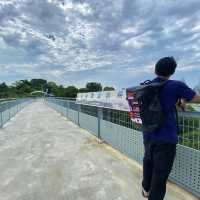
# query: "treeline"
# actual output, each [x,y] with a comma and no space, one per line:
[24,88]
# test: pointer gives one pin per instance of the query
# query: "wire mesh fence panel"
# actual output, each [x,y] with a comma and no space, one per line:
[186,169]
[116,128]
[89,123]
[124,139]
[8,109]
[189,124]
[73,105]
[64,107]
[88,118]
[16,109]
[73,115]
[89,110]
[5,116]
[119,117]
[12,111]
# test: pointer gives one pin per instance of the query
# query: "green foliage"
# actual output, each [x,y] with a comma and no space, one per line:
[189,131]
[71,91]
[52,88]
[93,87]
[3,90]
[190,108]
[189,126]
[38,84]
[24,88]
[83,90]
[108,88]
[190,139]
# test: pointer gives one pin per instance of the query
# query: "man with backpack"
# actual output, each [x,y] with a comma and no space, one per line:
[153,107]
[160,143]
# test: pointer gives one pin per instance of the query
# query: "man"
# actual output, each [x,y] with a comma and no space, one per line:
[160,145]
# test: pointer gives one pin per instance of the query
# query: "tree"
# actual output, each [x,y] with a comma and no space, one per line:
[108,88]
[71,92]
[52,88]
[3,87]
[61,91]
[38,84]
[83,90]
[94,87]
[3,90]
[23,87]
[12,92]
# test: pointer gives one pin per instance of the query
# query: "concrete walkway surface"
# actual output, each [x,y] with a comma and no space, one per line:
[43,156]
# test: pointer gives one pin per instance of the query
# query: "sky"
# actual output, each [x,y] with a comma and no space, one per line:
[115,42]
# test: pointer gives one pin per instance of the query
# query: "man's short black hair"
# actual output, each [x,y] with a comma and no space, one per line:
[165,66]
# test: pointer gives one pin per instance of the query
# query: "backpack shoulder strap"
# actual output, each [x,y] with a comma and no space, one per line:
[176,117]
[154,83]
[147,82]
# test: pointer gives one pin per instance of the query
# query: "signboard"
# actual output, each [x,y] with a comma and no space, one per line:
[133,107]
[108,99]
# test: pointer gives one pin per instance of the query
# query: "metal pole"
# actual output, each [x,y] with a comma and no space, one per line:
[17,107]
[9,110]
[1,119]
[79,110]
[100,117]
[68,109]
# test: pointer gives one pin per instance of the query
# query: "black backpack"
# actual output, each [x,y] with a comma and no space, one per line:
[145,106]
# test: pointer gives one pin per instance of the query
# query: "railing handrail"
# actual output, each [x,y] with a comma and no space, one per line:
[7,99]
[195,114]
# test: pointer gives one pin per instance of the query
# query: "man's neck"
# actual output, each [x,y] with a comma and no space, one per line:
[164,77]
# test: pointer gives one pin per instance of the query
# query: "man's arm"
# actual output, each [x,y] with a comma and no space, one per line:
[196,99]
[186,94]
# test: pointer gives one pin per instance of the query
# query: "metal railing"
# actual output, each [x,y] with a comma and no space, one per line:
[189,125]
[10,99]
[10,107]
[116,128]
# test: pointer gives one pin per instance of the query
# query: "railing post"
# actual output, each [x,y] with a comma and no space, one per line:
[9,110]
[1,116]
[68,109]
[17,106]
[79,110]
[100,117]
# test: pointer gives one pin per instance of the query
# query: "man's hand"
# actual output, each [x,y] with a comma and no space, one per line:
[196,99]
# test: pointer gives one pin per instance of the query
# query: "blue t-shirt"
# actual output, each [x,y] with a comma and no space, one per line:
[170,93]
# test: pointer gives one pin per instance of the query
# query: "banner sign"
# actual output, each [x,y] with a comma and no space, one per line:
[108,99]
[134,107]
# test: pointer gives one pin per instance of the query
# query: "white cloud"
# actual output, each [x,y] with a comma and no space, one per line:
[188,68]
[51,38]
[130,30]
[140,41]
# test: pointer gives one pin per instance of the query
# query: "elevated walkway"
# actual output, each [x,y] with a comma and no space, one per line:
[43,156]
